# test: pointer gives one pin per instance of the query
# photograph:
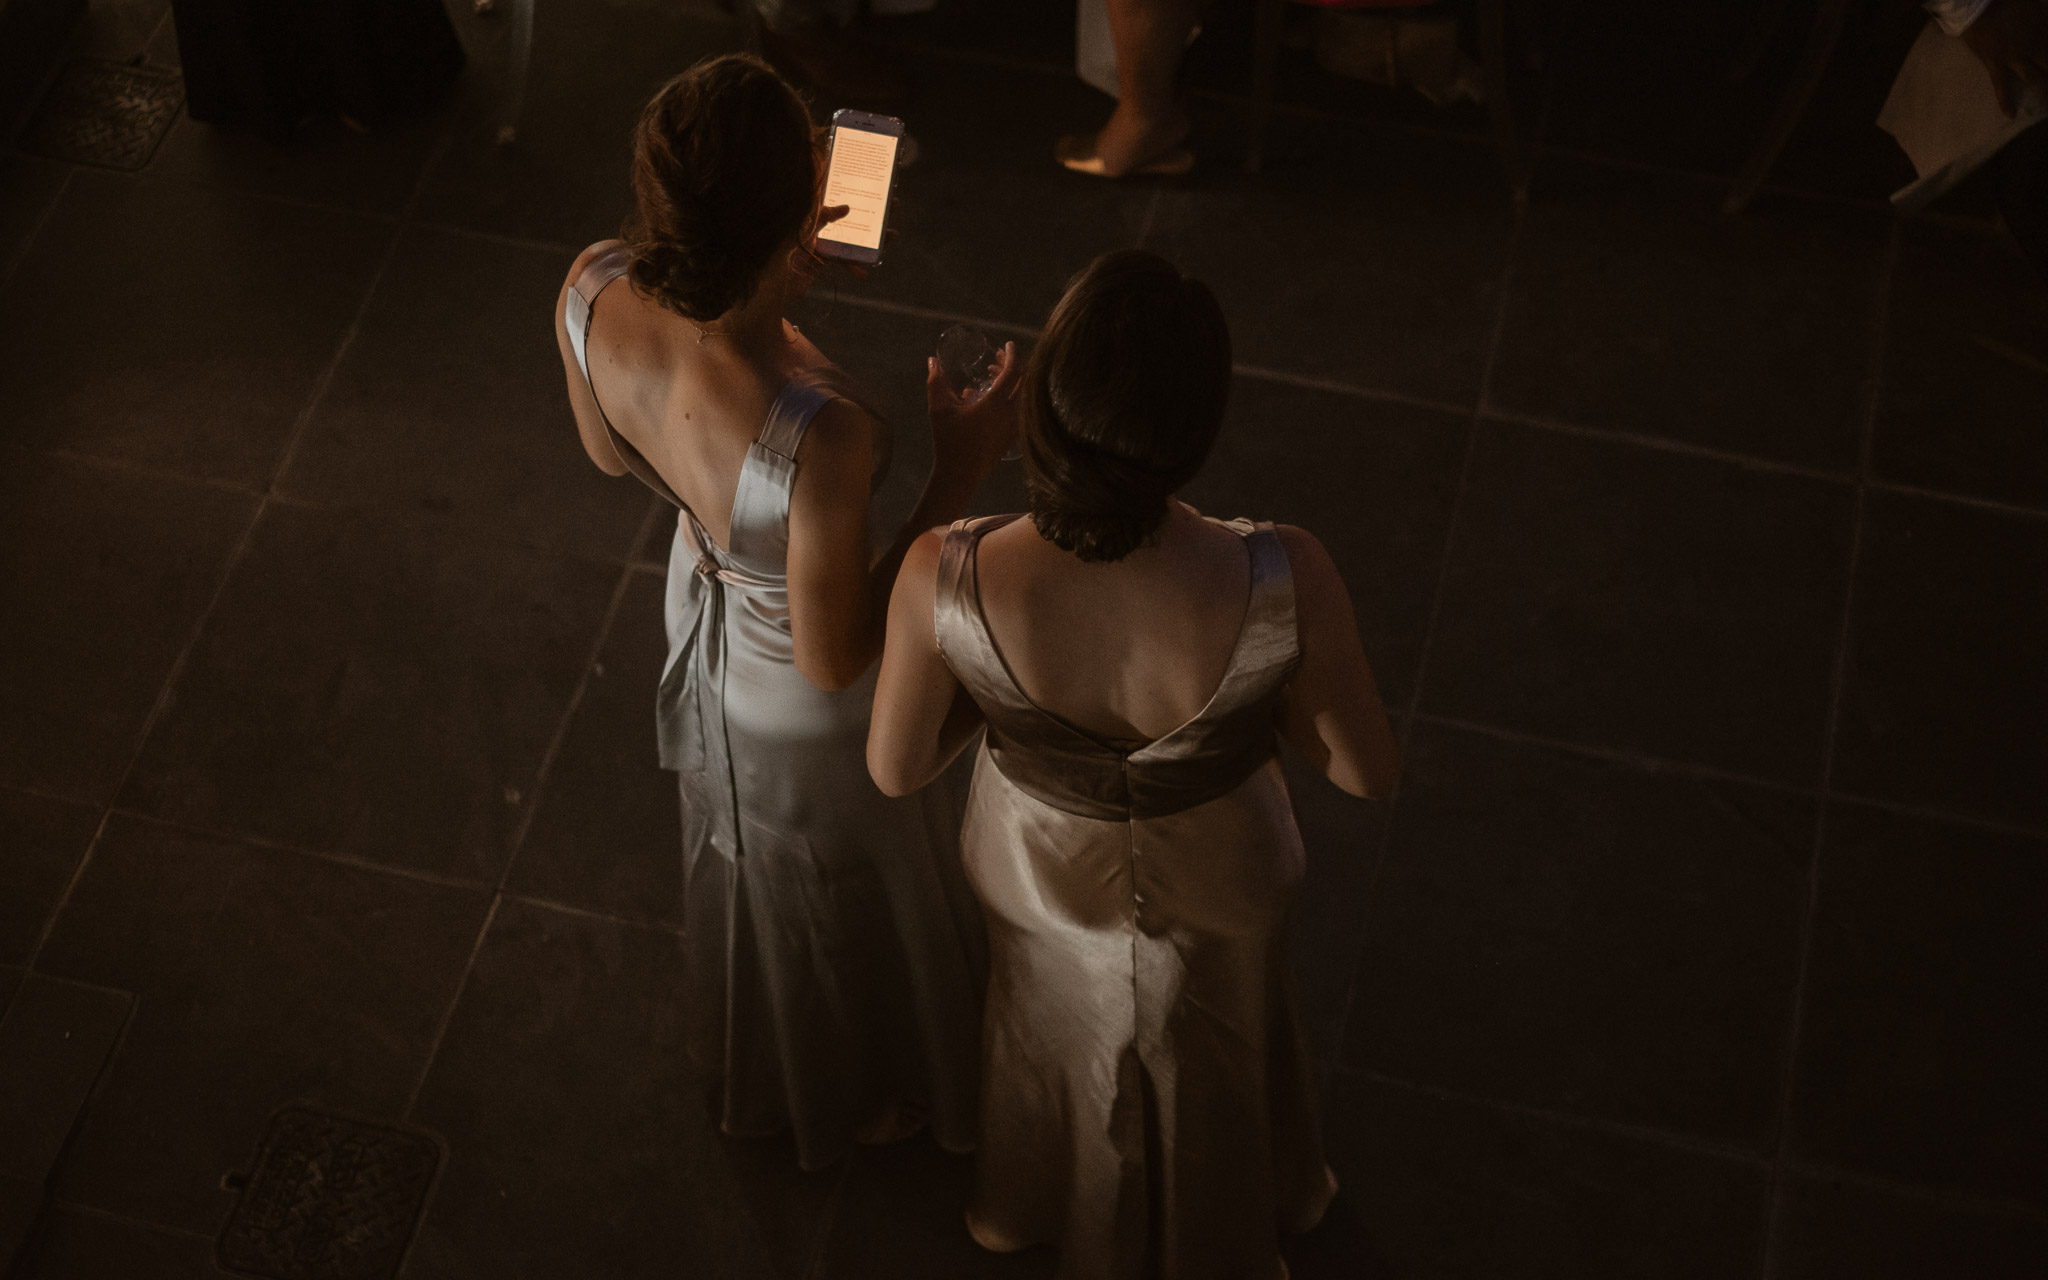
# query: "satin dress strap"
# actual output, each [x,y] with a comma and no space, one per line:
[1063,765]
[690,709]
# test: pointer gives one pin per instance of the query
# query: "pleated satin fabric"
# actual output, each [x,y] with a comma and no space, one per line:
[1146,1086]
[835,955]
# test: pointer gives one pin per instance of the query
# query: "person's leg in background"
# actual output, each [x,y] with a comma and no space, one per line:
[1148,129]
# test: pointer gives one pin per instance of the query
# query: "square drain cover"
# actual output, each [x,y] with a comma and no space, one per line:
[330,1199]
[106,113]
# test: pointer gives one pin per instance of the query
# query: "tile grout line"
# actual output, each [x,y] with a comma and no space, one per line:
[1674,1140]
[1151,216]
[1639,761]
[1668,1138]
[533,801]
[109,1215]
[828,1222]
[1413,707]
[42,222]
[1663,444]
[165,691]
[1837,683]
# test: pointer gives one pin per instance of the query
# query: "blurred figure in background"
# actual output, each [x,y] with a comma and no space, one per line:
[1972,98]
[268,66]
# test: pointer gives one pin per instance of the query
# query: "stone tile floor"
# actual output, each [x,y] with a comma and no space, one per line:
[1701,558]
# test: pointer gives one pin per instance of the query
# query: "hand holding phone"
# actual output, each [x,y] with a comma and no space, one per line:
[861,175]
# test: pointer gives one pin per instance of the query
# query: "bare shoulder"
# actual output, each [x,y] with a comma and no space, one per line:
[569,282]
[841,434]
[1306,556]
[583,259]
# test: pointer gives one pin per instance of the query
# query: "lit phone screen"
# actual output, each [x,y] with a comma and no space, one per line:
[862,164]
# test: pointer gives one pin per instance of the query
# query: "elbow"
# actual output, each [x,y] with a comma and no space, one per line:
[889,778]
[831,675]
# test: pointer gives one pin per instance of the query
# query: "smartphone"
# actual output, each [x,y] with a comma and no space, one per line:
[860,175]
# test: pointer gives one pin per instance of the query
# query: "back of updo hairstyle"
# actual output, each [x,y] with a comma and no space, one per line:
[724,174]
[1122,401]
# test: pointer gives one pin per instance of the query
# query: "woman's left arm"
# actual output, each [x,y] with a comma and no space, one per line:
[922,716]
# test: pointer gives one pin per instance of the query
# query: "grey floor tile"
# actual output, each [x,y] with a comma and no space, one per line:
[566,178]
[261,978]
[452,399]
[1922,1049]
[379,689]
[1946,693]
[133,561]
[1639,306]
[1634,599]
[208,359]
[608,834]
[1831,1230]
[1373,481]
[988,224]
[41,841]
[1656,85]
[324,163]
[21,1203]
[1582,936]
[1368,256]
[1435,1189]
[1966,369]
[578,1137]
[77,1244]
[10,979]
[54,1040]
[28,185]
[901,1215]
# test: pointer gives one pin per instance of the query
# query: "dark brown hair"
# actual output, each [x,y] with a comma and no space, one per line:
[724,171]
[1122,401]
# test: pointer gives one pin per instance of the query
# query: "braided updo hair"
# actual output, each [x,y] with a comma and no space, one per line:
[1122,401]
[724,173]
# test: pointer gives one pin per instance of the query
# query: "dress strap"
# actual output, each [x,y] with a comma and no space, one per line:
[790,416]
[598,273]
[1271,637]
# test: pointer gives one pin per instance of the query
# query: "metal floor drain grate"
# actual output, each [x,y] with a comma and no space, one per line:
[106,113]
[331,1199]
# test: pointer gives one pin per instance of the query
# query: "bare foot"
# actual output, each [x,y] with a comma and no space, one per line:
[1130,141]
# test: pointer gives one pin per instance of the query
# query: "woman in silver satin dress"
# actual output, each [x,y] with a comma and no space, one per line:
[1147,1096]
[834,952]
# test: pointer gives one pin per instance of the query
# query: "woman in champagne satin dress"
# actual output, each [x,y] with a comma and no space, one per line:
[1148,1102]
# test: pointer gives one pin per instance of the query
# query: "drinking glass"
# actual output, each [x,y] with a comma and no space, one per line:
[968,359]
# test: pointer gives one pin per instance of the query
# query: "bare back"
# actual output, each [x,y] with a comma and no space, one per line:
[1127,651]
[691,408]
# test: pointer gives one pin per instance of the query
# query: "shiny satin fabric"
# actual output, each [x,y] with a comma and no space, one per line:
[835,953]
[1146,1086]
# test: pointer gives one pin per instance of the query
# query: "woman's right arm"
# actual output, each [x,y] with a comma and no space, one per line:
[597,442]
[1333,712]
[838,596]
[922,716]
